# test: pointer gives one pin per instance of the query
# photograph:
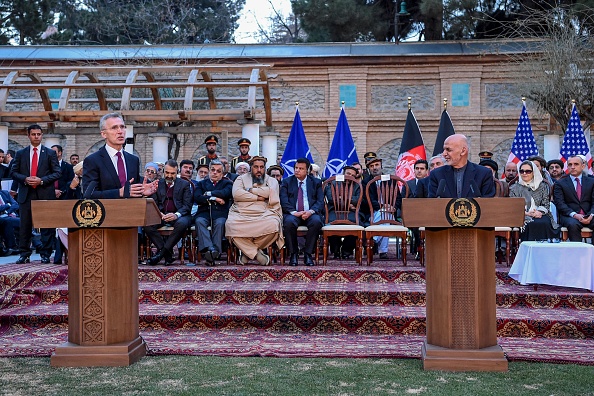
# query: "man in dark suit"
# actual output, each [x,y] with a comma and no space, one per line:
[421,168]
[174,200]
[573,197]
[111,172]
[213,196]
[461,178]
[35,169]
[9,220]
[302,200]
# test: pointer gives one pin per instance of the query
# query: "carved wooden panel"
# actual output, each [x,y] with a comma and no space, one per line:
[93,287]
[464,334]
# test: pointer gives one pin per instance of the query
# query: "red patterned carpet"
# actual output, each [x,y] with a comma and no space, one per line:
[341,310]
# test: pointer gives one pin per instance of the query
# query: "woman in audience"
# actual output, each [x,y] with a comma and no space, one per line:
[538,222]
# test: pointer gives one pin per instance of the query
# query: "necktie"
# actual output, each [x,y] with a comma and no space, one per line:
[300,198]
[34,164]
[578,190]
[121,169]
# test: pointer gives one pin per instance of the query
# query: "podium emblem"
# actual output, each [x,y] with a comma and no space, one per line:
[88,213]
[463,212]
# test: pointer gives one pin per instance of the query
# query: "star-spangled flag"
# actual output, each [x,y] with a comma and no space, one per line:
[574,141]
[412,148]
[296,147]
[343,151]
[524,145]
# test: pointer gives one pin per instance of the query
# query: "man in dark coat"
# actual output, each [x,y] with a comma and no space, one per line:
[35,169]
[302,200]
[213,196]
[174,200]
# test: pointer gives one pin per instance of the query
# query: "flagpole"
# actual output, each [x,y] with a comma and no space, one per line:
[445,104]
[409,102]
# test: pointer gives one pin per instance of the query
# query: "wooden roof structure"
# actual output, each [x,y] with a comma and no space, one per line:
[142,94]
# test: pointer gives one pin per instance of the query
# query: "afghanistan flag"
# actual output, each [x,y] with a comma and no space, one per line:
[411,148]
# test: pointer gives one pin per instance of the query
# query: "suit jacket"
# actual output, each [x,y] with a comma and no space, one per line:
[48,170]
[182,197]
[10,205]
[290,189]
[566,199]
[65,179]
[482,176]
[422,189]
[223,190]
[100,178]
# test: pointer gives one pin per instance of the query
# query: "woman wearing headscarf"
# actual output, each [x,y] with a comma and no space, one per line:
[538,221]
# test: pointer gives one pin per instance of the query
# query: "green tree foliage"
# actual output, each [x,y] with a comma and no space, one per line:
[24,21]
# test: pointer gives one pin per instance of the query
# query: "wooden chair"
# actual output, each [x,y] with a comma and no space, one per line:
[343,194]
[503,233]
[387,225]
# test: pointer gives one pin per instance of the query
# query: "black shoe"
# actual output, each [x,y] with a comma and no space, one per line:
[307,260]
[383,255]
[346,255]
[156,258]
[23,260]
[336,256]
[45,260]
[57,261]
[210,255]
[294,261]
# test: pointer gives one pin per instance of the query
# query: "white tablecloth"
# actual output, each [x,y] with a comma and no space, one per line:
[568,264]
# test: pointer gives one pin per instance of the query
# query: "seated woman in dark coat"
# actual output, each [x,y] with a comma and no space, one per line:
[538,223]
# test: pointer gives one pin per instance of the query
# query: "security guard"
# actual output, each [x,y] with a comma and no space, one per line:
[211,148]
[368,156]
[244,156]
[485,155]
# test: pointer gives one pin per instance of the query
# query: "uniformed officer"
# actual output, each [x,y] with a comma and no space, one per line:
[211,148]
[368,156]
[485,155]
[244,156]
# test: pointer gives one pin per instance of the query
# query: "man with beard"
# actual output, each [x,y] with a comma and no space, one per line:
[211,150]
[213,196]
[277,172]
[174,200]
[244,153]
[510,172]
[255,218]
[242,168]
[460,178]
[555,168]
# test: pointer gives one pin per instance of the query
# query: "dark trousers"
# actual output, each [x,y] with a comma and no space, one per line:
[214,237]
[179,228]
[26,227]
[574,228]
[7,226]
[291,223]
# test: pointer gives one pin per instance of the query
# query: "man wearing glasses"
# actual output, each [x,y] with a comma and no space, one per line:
[151,169]
[111,172]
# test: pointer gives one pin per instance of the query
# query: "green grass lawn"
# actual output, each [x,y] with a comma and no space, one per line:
[189,375]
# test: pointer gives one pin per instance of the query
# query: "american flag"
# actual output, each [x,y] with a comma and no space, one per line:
[574,141]
[524,145]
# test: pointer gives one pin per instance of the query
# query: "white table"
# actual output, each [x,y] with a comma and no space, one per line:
[568,264]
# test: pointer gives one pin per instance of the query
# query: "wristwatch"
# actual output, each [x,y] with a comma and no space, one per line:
[41,182]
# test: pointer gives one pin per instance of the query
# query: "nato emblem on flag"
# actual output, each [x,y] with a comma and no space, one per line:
[412,148]
[343,151]
[574,141]
[296,147]
[524,145]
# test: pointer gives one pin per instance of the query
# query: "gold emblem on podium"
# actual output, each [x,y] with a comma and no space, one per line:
[463,212]
[88,213]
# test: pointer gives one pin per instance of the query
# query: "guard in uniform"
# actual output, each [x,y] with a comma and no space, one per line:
[368,156]
[211,148]
[244,156]
[485,155]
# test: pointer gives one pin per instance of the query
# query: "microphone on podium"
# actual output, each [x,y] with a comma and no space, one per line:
[476,193]
[440,188]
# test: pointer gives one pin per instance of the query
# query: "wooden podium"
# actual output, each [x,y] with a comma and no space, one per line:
[102,278]
[460,273]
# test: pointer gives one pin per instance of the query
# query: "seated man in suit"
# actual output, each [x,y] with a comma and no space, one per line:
[302,200]
[9,221]
[255,218]
[574,197]
[342,247]
[174,200]
[460,178]
[111,172]
[213,196]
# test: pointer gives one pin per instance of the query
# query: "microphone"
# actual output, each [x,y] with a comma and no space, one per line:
[441,188]
[476,193]
[90,189]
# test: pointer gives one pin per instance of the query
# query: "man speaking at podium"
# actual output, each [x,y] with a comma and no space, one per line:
[460,178]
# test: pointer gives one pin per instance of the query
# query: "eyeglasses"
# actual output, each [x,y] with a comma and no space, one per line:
[152,172]
[115,128]
[526,171]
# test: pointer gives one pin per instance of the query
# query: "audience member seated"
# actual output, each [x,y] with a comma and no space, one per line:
[151,171]
[541,163]
[255,218]
[343,247]
[242,168]
[501,186]
[573,198]
[375,168]
[277,172]
[174,200]
[314,170]
[202,172]
[302,201]
[538,222]
[555,168]
[213,196]
[9,222]
[75,187]
[226,169]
